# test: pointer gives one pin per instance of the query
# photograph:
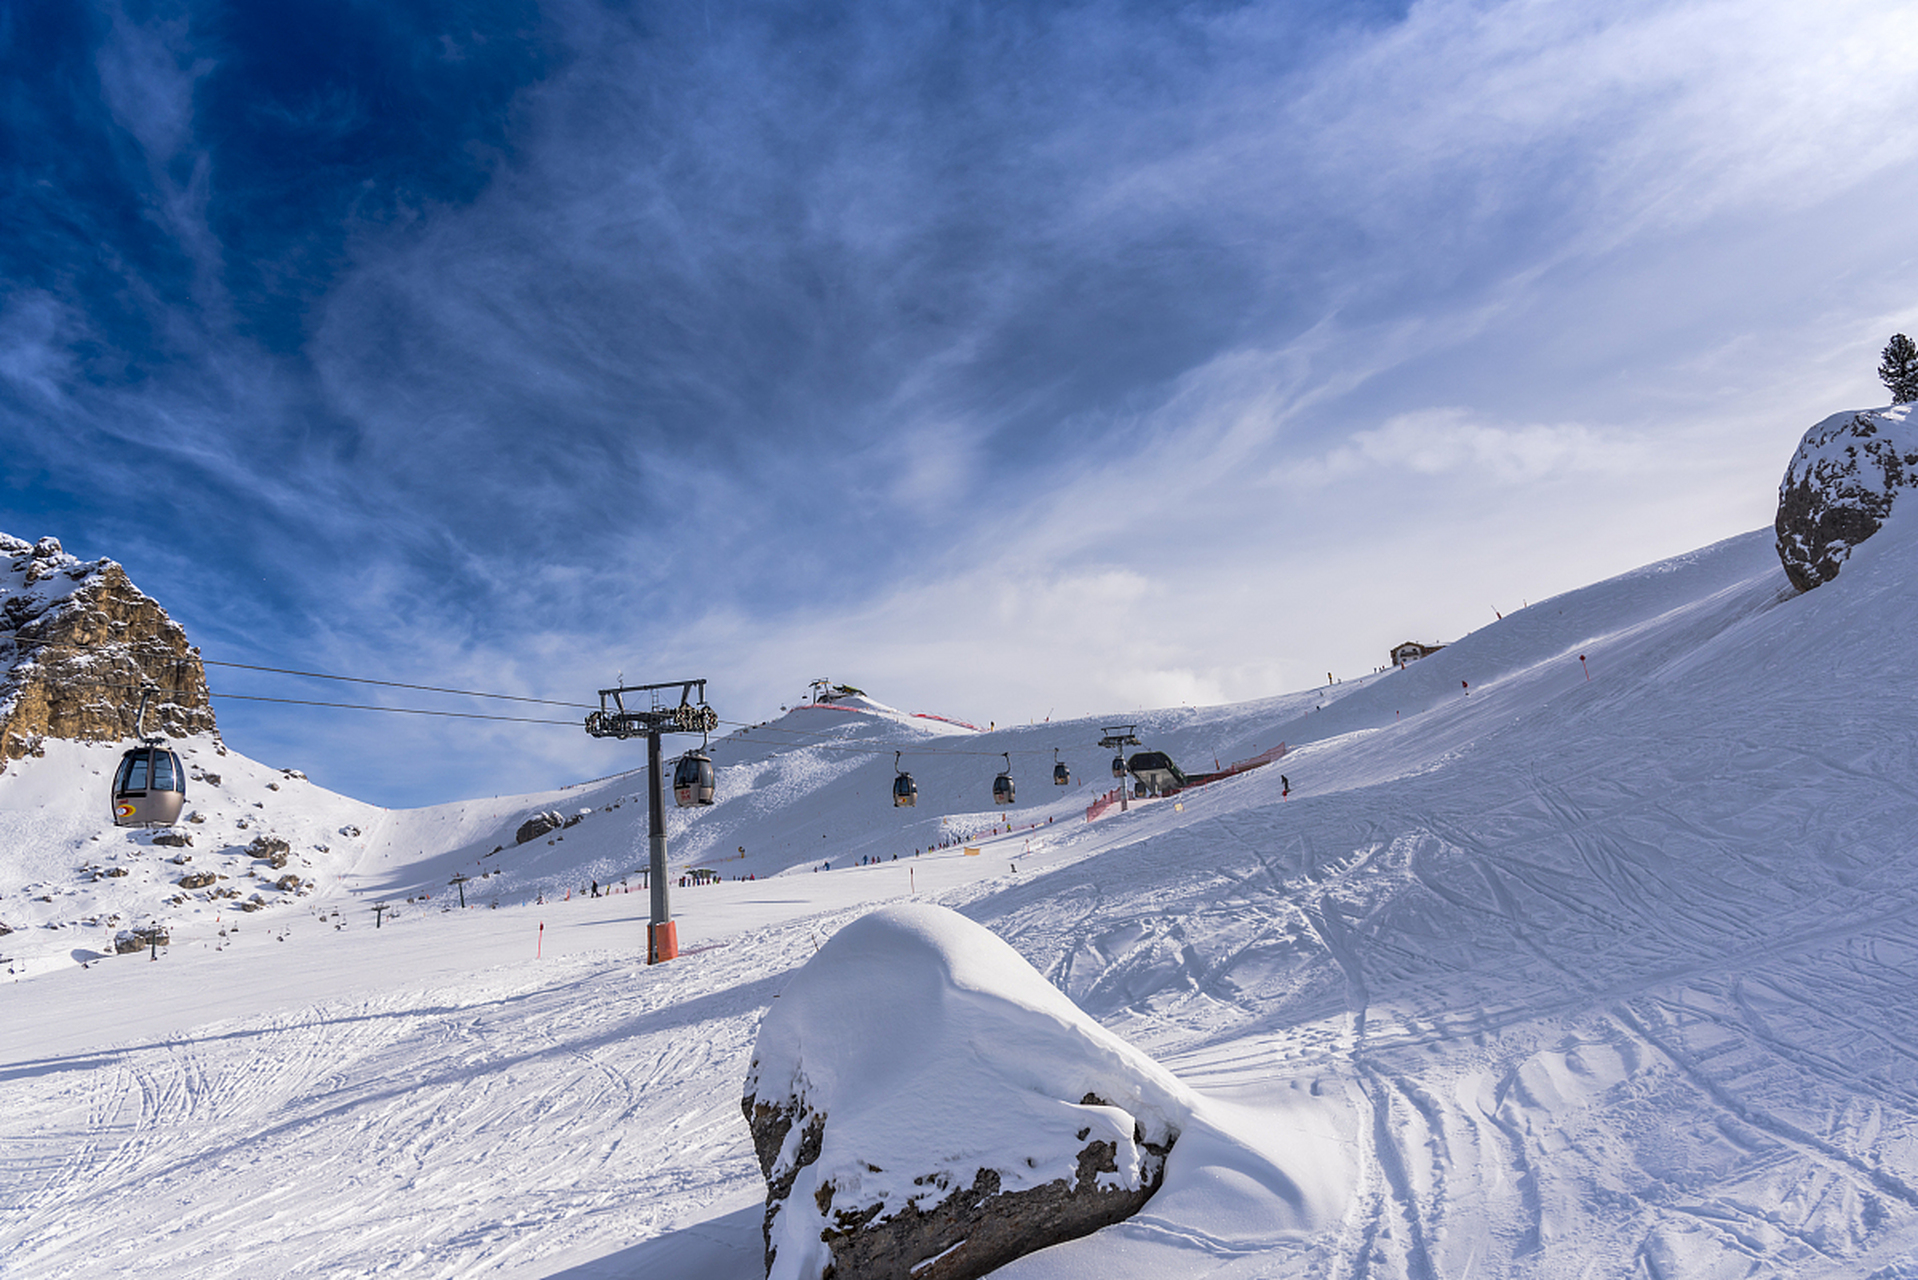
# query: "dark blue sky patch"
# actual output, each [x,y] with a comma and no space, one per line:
[322,117]
[75,201]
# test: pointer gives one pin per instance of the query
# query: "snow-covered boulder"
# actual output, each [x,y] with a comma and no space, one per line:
[925,1105]
[1840,486]
[538,825]
[272,850]
[128,941]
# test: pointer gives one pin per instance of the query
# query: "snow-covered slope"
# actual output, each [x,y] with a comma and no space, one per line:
[70,880]
[1605,976]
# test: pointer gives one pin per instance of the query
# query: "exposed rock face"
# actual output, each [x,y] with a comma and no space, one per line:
[78,640]
[972,1231]
[925,1106]
[1839,488]
[128,941]
[271,850]
[538,825]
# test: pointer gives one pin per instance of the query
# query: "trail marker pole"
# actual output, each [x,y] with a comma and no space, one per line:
[1582,667]
[539,948]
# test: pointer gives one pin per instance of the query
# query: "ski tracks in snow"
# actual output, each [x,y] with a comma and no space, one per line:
[391,1134]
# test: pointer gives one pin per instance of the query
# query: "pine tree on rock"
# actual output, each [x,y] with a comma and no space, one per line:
[1899,369]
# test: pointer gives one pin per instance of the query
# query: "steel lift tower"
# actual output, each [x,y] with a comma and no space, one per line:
[615,719]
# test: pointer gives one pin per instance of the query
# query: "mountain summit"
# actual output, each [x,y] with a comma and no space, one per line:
[78,641]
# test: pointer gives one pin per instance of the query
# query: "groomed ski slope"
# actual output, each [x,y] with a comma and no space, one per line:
[1606,977]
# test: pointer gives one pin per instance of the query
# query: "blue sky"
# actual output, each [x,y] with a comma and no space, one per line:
[1004,360]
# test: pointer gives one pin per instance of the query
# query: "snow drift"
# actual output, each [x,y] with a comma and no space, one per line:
[926,1104]
[918,1062]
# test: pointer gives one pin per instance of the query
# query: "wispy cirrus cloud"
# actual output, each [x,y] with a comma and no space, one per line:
[1433,442]
[1127,352]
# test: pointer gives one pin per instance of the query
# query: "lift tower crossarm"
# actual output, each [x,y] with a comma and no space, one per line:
[615,719]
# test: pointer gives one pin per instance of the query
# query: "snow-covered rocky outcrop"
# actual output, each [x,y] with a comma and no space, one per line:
[1840,486]
[923,1103]
[77,642]
[74,887]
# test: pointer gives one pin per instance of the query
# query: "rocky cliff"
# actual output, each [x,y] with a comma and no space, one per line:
[77,642]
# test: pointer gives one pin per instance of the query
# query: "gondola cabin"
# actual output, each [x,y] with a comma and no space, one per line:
[905,792]
[693,780]
[149,788]
[1061,776]
[1118,766]
[1002,791]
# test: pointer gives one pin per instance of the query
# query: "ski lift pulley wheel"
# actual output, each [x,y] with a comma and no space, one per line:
[693,780]
[695,719]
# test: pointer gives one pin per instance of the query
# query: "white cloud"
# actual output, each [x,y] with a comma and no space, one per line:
[1435,442]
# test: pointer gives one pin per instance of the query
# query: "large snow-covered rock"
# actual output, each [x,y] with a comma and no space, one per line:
[925,1104]
[1840,486]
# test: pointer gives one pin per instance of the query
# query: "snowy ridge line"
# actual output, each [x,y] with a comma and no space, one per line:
[963,724]
[867,711]
[824,743]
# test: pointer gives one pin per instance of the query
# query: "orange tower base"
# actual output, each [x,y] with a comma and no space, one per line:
[662,942]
